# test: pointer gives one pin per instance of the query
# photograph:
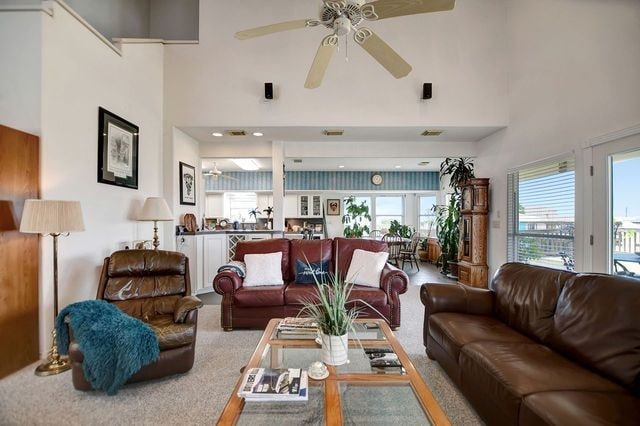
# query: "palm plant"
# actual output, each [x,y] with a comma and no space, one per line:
[254,212]
[459,171]
[448,230]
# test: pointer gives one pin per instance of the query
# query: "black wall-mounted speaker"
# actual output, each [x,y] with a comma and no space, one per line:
[427,91]
[268,91]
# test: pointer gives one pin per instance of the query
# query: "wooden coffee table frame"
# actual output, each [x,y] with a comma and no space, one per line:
[332,401]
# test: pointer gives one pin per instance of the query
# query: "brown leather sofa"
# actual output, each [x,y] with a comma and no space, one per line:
[153,286]
[542,346]
[253,307]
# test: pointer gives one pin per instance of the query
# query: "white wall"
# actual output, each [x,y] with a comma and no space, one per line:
[573,74]
[79,74]
[116,18]
[20,44]
[220,80]
[187,150]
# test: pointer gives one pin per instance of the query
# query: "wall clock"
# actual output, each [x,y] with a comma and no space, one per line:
[376,179]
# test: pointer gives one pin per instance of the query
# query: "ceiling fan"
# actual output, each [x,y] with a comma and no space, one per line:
[347,16]
[215,173]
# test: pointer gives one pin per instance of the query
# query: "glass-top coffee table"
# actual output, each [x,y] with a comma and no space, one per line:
[354,393]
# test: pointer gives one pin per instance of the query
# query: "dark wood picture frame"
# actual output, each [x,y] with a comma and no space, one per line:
[117,150]
[187,184]
[333,206]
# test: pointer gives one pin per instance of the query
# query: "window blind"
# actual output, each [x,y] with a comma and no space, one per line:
[541,214]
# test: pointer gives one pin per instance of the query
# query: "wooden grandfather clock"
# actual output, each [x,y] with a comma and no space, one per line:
[474,219]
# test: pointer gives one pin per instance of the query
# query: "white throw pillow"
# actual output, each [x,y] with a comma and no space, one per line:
[263,269]
[366,267]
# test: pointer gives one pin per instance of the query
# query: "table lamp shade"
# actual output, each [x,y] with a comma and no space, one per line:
[51,217]
[155,208]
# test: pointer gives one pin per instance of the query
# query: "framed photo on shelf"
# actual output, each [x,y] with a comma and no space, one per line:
[117,150]
[187,184]
[333,207]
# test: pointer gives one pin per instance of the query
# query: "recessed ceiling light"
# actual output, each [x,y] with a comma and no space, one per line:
[217,134]
[398,167]
[341,166]
[246,163]
[258,134]
[431,132]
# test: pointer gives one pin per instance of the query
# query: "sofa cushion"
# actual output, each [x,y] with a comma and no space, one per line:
[170,334]
[366,267]
[266,246]
[263,269]
[343,249]
[296,294]
[497,375]
[312,272]
[248,297]
[597,323]
[310,251]
[526,297]
[453,330]
[373,296]
[580,408]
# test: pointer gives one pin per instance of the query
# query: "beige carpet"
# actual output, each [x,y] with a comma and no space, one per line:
[199,396]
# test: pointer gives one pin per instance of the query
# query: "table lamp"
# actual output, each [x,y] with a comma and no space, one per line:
[54,218]
[155,209]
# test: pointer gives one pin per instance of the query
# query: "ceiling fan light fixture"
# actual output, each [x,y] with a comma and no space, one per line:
[246,163]
[432,132]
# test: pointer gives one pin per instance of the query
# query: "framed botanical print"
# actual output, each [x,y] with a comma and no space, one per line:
[187,184]
[117,150]
[333,207]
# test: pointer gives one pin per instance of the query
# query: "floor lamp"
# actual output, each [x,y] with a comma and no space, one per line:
[155,209]
[54,218]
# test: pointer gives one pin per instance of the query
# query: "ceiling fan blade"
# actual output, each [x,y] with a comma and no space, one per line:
[229,177]
[274,28]
[382,52]
[321,61]
[383,9]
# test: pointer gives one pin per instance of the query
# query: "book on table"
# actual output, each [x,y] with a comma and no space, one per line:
[274,384]
[294,325]
[382,357]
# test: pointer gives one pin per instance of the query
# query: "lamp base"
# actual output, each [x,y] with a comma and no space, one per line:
[55,364]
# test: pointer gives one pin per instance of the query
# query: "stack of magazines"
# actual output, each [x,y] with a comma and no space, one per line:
[382,357]
[269,384]
[291,325]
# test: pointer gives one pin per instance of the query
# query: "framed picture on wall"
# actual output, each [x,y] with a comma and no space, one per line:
[333,207]
[117,150]
[187,184]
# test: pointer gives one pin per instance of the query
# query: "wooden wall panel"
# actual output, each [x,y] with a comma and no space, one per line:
[19,253]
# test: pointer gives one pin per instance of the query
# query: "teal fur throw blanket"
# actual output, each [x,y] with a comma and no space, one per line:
[115,345]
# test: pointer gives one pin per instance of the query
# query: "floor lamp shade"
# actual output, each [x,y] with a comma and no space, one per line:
[51,217]
[155,208]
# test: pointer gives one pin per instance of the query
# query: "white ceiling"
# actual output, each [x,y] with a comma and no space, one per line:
[332,164]
[351,134]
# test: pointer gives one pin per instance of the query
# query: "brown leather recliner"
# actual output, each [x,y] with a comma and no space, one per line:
[542,346]
[153,286]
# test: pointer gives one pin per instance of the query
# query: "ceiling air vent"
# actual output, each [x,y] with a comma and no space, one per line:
[236,133]
[297,160]
[432,132]
[423,163]
[333,132]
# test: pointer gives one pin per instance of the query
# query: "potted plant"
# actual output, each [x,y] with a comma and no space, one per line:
[448,232]
[355,217]
[269,212]
[423,252]
[459,171]
[405,231]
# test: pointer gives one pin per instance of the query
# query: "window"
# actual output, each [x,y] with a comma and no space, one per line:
[426,217]
[541,214]
[367,202]
[388,209]
[238,204]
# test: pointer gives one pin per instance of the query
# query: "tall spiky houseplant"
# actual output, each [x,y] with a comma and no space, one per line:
[459,170]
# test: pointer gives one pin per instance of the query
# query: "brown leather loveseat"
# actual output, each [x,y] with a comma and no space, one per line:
[253,307]
[153,286]
[542,346]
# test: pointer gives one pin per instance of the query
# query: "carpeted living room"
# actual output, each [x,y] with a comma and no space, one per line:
[320,212]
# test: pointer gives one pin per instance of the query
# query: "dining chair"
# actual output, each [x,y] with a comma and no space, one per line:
[376,234]
[409,252]
[395,243]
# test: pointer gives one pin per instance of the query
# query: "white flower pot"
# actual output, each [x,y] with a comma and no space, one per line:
[334,349]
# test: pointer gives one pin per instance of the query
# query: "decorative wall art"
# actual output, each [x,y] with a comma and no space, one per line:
[187,184]
[333,207]
[117,150]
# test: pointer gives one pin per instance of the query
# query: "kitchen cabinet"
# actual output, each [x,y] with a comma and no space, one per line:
[309,205]
[291,206]
[191,246]
[214,249]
